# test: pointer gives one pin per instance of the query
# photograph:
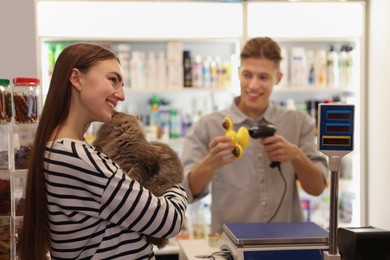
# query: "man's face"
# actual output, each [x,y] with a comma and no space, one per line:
[257,78]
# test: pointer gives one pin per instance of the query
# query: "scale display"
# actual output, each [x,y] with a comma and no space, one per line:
[335,127]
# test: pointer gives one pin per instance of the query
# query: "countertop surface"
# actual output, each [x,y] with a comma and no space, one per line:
[193,249]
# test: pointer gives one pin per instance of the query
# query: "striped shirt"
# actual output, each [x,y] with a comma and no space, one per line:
[96,211]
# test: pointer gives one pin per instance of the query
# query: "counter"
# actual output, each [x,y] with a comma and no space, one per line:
[189,249]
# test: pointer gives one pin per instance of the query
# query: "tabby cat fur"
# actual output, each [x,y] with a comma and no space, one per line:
[153,164]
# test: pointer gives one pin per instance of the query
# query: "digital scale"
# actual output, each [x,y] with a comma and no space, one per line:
[299,240]
[274,241]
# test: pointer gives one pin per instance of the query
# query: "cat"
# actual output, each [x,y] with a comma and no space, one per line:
[153,164]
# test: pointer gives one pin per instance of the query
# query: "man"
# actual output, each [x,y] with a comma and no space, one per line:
[248,189]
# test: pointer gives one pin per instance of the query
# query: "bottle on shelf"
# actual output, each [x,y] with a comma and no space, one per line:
[142,70]
[197,71]
[151,71]
[199,220]
[349,66]
[153,130]
[187,69]
[161,74]
[124,58]
[333,68]
[174,124]
[311,73]
[137,70]
[227,66]
[206,75]
[134,75]
[320,68]
[345,69]
[213,73]
[221,72]
[164,122]
[284,68]
[298,67]
[175,64]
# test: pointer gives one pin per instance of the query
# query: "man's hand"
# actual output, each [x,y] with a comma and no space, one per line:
[278,149]
[220,152]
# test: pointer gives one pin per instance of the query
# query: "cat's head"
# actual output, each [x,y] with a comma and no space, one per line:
[121,125]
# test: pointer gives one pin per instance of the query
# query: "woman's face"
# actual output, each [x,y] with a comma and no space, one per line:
[101,88]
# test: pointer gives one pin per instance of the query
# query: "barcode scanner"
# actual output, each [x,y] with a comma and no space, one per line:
[263,130]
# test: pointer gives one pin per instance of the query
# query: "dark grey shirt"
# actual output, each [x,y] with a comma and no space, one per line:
[248,190]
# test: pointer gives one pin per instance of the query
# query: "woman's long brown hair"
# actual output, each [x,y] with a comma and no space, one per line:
[35,235]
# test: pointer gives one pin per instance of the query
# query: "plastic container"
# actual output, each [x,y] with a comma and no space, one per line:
[5,194]
[18,188]
[4,148]
[5,101]
[23,139]
[5,238]
[26,100]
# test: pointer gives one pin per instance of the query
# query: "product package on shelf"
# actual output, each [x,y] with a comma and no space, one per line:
[5,194]
[18,189]
[4,147]
[5,215]
[23,139]
[5,238]
[18,222]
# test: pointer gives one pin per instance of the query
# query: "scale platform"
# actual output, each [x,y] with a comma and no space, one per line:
[266,241]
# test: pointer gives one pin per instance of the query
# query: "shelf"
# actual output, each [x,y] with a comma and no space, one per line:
[189,90]
[344,91]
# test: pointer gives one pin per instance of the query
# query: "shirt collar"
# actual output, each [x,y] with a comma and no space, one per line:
[239,117]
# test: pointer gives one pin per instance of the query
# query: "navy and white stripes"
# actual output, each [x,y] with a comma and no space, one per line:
[96,212]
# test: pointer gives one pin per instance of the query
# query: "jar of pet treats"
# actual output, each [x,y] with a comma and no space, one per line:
[26,100]
[5,101]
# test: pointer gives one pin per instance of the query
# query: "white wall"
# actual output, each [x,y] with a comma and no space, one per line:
[18,51]
[379,114]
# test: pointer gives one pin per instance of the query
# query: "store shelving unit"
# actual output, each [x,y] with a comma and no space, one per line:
[220,29]
[13,179]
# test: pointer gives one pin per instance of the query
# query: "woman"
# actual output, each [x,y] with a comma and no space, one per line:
[79,204]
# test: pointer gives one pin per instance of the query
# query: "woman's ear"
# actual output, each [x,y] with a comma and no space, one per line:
[75,78]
